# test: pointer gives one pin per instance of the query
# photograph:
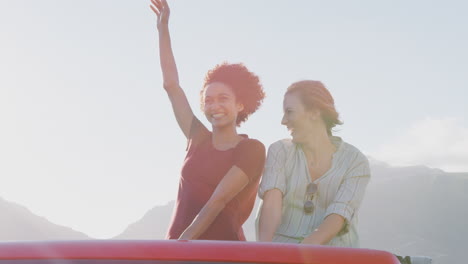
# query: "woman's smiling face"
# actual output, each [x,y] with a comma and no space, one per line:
[220,105]
[298,120]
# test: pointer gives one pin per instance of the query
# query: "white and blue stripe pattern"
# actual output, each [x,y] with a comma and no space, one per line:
[340,190]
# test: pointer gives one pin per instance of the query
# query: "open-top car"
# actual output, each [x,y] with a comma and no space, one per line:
[183,252]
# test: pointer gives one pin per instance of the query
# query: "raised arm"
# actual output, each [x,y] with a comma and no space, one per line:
[180,105]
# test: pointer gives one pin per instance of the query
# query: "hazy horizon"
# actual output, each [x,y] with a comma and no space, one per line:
[419,182]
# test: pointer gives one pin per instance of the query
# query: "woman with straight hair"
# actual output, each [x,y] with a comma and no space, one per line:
[313,183]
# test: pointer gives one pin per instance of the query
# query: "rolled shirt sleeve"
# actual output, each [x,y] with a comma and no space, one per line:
[351,190]
[274,175]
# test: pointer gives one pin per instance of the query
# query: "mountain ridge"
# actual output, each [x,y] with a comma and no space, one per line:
[413,210]
[21,224]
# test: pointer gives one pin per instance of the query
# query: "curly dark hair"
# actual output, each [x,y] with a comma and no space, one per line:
[245,85]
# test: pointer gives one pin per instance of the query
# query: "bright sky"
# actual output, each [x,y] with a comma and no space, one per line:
[87,135]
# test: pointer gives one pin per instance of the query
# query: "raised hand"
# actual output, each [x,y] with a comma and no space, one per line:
[162,11]
[180,104]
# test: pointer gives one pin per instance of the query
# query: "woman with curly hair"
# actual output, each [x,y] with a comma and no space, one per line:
[221,172]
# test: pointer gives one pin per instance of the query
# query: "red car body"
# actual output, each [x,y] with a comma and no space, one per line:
[180,251]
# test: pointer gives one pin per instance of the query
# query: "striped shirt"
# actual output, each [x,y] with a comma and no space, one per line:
[340,190]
